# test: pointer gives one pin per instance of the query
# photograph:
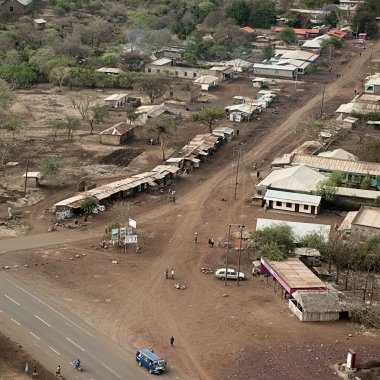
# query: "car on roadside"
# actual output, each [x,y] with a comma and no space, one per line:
[232,274]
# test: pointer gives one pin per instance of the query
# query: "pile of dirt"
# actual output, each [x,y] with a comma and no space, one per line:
[121,157]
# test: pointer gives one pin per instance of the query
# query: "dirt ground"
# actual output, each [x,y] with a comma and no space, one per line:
[224,332]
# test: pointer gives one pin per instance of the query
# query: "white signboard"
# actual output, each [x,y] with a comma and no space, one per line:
[130,239]
[129,231]
[132,223]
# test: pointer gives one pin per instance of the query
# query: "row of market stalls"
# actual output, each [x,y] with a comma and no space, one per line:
[161,175]
[200,148]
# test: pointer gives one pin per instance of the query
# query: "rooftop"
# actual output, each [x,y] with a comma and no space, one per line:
[206,79]
[295,274]
[118,129]
[116,97]
[368,216]
[248,29]
[318,301]
[346,225]
[339,153]
[285,196]
[333,164]
[296,54]
[297,178]
[110,70]
[300,229]
[274,67]
[162,62]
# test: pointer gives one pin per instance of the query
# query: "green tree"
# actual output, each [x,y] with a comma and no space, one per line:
[72,124]
[327,187]
[132,116]
[153,86]
[267,52]
[274,242]
[164,127]
[364,21]
[97,114]
[59,75]
[263,14]
[240,11]
[57,125]
[18,76]
[7,98]
[88,204]
[286,35]
[50,166]
[366,182]
[209,116]
[313,240]
[14,126]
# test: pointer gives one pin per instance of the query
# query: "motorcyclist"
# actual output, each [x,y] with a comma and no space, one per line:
[77,364]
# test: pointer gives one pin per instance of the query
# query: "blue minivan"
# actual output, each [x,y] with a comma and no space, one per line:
[149,360]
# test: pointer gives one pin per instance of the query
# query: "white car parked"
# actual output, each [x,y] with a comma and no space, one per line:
[231,274]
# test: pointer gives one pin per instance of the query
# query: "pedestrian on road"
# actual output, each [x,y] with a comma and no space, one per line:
[209,242]
[58,371]
[166,273]
[212,243]
[172,341]
[195,237]
[173,198]
[172,274]
[35,373]
[26,367]
[258,174]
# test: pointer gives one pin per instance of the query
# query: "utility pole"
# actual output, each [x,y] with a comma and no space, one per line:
[323,98]
[241,238]
[26,175]
[237,173]
[227,253]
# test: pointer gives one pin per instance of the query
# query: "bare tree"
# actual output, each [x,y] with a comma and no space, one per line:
[83,104]
[152,86]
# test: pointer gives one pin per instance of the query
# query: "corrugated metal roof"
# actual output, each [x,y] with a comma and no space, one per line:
[339,153]
[295,274]
[359,193]
[162,62]
[206,79]
[346,225]
[298,178]
[319,301]
[333,164]
[368,217]
[300,229]
[118,129]
[116,97]
[285,196]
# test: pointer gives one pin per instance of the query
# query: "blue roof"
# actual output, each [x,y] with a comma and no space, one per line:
[151,355]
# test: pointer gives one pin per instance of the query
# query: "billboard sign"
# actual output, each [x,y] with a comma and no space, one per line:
[123,232]
[132,223]
[114,234]
[130,239]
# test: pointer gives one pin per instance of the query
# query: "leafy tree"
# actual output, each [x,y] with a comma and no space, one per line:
[153,86]
[6,98]
[333,42]
[209,116]
[274,241]
[97,114]
[286,35]
[263,14]
[51,166]
[366,182]
[240,11]
[57,124]
[313,240]
[131,114]
[88,204]
[14,126]
[364,20]
[313,3]
[72,124]
[327,187]
[164,128]
[18,76]
[59,75]
[267,52]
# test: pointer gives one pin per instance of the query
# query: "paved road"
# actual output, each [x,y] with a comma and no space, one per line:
[45,240]
[63,336]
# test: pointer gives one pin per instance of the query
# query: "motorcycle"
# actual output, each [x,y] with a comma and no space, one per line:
[78,368]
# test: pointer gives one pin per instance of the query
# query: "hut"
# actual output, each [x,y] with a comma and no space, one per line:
[117,134]
[316,306]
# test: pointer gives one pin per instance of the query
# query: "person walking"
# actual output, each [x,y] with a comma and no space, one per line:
[212,242]
[195,237]
[172,341]
[173,198]
[209,242]
[166,273]
[258,174]
[58,371]
[35,373]
[172,274]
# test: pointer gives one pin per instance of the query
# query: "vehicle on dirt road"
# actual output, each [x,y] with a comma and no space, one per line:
[231,274]
[149,360]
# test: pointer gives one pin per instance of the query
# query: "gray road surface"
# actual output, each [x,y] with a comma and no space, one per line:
[63,336]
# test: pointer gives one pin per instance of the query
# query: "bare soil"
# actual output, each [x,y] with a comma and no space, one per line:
[224,332]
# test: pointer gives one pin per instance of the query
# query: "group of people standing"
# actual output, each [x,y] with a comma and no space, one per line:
[167,274]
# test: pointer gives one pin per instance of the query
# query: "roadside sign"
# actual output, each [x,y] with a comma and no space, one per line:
[132,223]
[114,234]
[129,231]
[123,232]
[130,239]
